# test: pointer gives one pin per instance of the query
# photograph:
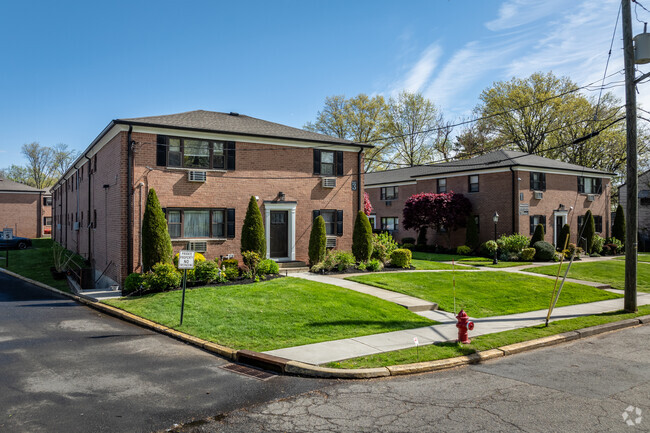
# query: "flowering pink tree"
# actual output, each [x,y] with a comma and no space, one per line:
[367,206]
[426,210]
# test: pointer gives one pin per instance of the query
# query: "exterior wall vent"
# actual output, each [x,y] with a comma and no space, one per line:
[329,182]
[591,197]
[197,247]
[389,202]
[330,242]
[196,176]
[539,195]
[75,226]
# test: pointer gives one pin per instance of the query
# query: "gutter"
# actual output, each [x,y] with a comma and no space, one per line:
[514,196]
[129,204]
[359,178]
[90,254]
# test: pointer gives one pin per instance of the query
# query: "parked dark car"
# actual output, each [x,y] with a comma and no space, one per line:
[16,243]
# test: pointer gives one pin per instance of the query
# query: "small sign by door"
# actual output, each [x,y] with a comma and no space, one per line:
[186,259]
[8,234]
[354,185]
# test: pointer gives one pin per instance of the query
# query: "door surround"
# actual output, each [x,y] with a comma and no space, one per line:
[556,230]
[291,229]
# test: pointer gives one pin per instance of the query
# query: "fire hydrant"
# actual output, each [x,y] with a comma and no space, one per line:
[463,326]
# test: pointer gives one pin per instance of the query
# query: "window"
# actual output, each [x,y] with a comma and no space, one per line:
[47,201]
[537,219]
[598,222]
[590,185]
[442,186]
[47,221]
[201,223]
[538,181]
[644,198]
[389,223]
[195,153]
[388,192]
[372,219]
[330,221]
[326,163]
[473,183]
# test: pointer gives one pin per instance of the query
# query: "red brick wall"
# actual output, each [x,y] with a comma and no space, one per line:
[20,212]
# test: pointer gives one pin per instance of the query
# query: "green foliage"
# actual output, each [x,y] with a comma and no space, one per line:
[156,243]
[231,273]
[408,240]
[362,238]
[163,276]
[491,246]
[538,235]
[132,283]
[361,266]
[597,244]
[206,271]
[589,230]
[513,243]
[230,263]
[544,251]
[464,250]
[383,245]
[471,234]
[618,245]
[565,234]
[528,254]
[339,260]
[422,237]
[408,246]
[375,265]
[401,258]
[618,231]
[252,232]
[251,261]
[317,241]
[268,266]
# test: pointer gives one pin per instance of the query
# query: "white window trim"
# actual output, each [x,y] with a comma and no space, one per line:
[291,208]
[559,213]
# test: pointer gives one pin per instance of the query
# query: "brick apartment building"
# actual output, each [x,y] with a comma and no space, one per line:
[523,189]
[643,185]
[25,209]
[204,167]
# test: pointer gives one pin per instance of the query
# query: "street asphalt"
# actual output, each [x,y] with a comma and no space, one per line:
[67,368]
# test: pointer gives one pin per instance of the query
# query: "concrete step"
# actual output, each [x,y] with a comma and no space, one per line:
[285,271]
[293,264]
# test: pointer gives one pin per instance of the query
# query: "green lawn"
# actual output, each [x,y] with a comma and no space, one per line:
[273,314]
[35,263]
[426,265]
[610,272]
[484,294]
[462,260]
[641,257]
[436,257]
[484,342]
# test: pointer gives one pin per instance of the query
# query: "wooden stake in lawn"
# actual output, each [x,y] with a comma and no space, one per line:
[185,262]
[554,296]
[453,282]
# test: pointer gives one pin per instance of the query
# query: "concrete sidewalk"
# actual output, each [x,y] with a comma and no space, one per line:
[337,350]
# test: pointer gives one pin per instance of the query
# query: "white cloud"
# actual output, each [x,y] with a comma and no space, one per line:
[515,13]
[421,72]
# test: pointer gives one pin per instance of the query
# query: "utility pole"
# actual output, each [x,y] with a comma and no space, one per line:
[632,193]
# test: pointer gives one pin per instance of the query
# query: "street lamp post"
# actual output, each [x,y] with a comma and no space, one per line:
[495,218]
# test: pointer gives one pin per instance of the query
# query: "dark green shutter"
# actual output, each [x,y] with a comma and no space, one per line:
[230,223]
[542,221]
[161,151]
[230,155]
[542,181]
[581,185]
[316,161]
[339,222]
[339,163]
[532,224]
[315,214]
[599,186]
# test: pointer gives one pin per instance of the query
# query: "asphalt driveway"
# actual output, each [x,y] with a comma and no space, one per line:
[65,367]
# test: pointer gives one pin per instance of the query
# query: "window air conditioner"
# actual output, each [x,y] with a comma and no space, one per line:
[539,195]
[591,197]
[329,182]
[330,242]
[389,202]
[196,176]
[197,247]
[75,226]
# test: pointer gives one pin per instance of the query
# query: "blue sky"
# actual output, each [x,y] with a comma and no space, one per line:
[68,68]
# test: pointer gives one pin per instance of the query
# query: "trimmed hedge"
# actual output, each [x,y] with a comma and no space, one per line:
[317,241]
[268,266]
[538,235]
[566,231]
[252,232]
[362,238]
[401,258]
[544,251]
[618,231]
[156,243]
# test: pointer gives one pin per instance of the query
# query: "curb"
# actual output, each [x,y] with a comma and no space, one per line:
[297,368]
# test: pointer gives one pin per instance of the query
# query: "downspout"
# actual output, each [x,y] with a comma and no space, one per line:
[514,199]
[129,204]
[90,254]
[39,212]
[359,178]
[66,215]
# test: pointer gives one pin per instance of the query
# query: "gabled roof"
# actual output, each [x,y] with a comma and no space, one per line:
[496,159]
[11,186]
[233,123]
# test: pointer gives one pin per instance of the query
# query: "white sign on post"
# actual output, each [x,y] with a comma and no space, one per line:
[8,234]
[186,259]
[415,340]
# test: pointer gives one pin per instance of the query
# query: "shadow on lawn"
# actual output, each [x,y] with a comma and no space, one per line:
[383,323]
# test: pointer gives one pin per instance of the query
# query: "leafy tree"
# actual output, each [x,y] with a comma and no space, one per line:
[362,238]
[417,130]
[62,158]
[359,119]
[18,174]
[471,234]
[589,230]
[367,206]
[618,231]
[252,232]
[44,165]
[156,243]
[430,210]
[564,233]
[422,237]
[538,235]
[317,241]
